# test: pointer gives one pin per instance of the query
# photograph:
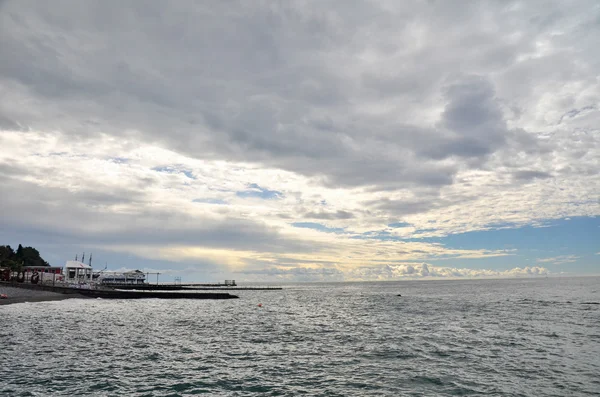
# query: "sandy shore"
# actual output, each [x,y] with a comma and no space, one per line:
[20,295]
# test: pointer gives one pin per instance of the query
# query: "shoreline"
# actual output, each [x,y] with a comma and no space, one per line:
[36,299]
[27,292]
[22,295]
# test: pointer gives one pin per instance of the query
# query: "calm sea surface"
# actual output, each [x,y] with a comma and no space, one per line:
[447,338]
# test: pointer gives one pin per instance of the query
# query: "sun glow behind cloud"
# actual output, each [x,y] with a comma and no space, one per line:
[134,195]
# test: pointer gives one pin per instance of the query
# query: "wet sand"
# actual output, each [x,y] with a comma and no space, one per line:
[20,295]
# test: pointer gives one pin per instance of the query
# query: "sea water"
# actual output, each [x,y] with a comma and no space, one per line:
[521,337]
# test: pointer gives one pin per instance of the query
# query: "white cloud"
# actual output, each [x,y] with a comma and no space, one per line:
[156,129]
[426,270]
[559,260]
[389,272]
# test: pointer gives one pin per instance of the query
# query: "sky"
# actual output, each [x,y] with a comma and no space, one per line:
[303,140]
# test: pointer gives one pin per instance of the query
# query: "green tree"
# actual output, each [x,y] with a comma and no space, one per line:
[8,258]
[31,257]
[24,256]
[6,253]
[19,253]
[13,265]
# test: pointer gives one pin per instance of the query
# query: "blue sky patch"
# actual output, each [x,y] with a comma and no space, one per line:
[175,170]
[399,224]
[188,174]
[318,226]
[255,191]
[578,236]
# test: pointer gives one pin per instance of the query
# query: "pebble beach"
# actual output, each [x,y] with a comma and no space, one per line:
[20,295]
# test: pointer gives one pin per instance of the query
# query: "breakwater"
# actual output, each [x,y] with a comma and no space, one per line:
[188,287]
[118,294]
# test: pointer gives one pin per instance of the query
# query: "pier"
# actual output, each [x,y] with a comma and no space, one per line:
[105,293]
[188,287]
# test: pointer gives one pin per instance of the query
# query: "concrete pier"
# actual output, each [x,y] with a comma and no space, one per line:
[188,287]
[58,292]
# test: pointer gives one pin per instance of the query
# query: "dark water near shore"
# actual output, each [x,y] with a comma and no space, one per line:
[450,338]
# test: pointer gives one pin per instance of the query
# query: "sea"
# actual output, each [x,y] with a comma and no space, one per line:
[517,337]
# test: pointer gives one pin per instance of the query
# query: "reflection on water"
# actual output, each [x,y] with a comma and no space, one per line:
[494,337]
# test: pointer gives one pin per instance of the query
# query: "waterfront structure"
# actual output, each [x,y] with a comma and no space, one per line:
[41,274]
[77,272]
[79,275]
[5,274]
[135,277]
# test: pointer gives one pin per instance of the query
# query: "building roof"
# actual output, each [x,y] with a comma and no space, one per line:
[77,264]
[42,267]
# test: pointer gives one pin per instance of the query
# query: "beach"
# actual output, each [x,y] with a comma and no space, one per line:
[20,295]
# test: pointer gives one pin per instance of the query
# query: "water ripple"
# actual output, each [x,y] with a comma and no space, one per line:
[461,338]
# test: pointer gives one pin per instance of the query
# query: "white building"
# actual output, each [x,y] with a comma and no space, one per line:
[77,272]
[135,277]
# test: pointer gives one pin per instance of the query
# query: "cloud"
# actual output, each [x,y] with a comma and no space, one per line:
[526,175]
[302,274]
[209,201]
[390,272]
[135,127]
[329,215]
[264,94]
[559,260]
[120,218]
[577,112]
[425,270]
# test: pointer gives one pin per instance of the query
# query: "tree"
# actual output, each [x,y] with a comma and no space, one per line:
[6,253]
[19,253]
[24,256]
[31,257]
[13,265]
[8,258]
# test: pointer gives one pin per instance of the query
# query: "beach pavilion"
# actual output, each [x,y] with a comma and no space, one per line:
[77,272]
